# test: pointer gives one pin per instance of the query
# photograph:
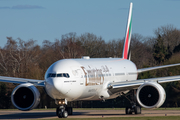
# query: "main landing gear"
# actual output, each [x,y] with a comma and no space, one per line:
[133,109]
[63,111]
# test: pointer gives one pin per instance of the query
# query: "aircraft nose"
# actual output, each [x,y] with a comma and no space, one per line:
[54,83]
[54,88]
[57,84]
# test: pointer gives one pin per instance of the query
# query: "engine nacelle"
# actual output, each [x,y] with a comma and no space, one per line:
[25,97]
[151,95]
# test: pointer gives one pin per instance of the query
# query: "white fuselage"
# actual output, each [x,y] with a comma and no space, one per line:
[87,79]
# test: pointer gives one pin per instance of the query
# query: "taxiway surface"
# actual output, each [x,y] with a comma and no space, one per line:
[48,114]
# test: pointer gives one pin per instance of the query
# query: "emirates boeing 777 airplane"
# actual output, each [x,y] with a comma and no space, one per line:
[92,79]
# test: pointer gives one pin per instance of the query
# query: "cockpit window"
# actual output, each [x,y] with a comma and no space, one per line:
[58,75]
[51,75]
[67,75]
[64,74]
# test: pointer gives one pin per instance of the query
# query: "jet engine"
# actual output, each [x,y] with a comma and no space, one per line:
[25,97]
[151,95]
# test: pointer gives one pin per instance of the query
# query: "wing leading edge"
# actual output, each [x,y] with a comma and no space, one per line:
[134,84]
[22,80]
[157,67]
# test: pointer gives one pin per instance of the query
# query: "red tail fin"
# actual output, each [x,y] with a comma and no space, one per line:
[128,35]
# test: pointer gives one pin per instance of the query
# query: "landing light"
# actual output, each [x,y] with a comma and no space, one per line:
[60,101]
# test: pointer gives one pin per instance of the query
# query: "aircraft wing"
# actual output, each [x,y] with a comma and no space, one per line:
[157,67]
[134,84]
[22,80]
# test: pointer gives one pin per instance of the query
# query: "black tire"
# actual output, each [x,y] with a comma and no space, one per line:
[137,110]
[65,114]
[60,114]
[128,110]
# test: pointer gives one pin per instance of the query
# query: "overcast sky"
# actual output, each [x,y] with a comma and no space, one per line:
[50,19]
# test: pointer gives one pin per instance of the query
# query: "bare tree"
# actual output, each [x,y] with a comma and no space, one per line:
[18,56]
[170,36]
[114,48]
[94,46]
[140,52]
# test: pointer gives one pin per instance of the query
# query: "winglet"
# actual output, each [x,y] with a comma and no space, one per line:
[128,35]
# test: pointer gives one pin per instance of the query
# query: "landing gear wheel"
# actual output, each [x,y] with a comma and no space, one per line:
[60,114]
[128,110]
[137,110]
[132,99]
[65,114]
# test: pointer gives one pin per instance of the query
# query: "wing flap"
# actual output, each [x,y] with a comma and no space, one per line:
[22,80]
[115,85]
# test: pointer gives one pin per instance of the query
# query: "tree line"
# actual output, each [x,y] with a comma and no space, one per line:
[26,59]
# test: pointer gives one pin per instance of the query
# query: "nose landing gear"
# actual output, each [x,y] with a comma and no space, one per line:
[63,111]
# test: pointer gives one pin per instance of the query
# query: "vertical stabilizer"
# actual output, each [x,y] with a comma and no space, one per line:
[128,35]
